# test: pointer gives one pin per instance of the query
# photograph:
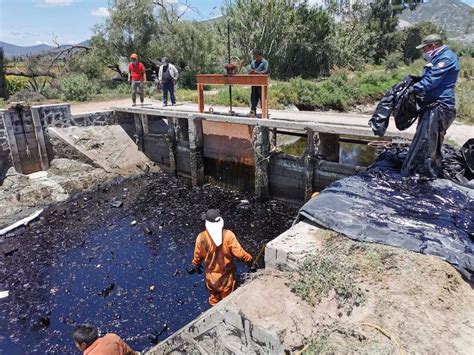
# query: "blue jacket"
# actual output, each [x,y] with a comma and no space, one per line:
[439,79]
[261,67]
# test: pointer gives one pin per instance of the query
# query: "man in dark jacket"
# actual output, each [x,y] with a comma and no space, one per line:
[435,91]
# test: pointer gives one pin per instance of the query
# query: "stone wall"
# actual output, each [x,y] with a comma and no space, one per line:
[59,116]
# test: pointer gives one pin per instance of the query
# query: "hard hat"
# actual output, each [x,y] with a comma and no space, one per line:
[134,56]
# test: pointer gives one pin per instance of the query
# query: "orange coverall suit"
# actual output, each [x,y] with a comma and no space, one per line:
[220,268]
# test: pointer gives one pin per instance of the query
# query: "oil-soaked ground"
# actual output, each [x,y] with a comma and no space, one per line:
[86,261]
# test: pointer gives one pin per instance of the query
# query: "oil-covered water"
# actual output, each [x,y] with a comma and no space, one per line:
[116,258]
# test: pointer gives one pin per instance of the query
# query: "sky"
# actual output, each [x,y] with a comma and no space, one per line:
[30,22]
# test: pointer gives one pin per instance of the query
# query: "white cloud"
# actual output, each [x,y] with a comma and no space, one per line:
[41,42]
[55,3]
[182,8]
[22,34]
[100,12]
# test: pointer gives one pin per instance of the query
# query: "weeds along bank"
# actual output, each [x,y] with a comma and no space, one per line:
[343,90]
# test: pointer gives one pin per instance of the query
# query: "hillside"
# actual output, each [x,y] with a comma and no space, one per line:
[455,17]
[12,50]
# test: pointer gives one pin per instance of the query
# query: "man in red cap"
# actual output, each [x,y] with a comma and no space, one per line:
[136,75]
[217,247]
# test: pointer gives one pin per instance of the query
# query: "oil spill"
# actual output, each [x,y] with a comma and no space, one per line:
[86,262]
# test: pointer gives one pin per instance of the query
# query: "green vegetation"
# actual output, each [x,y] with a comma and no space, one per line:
[78,87]
[328,274]
[317,63]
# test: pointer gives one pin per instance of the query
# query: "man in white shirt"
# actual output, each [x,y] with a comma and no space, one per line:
[167,76]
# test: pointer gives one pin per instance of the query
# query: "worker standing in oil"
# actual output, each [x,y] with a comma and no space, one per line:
[435,94]
[217,247]
[258,66]
[137,77]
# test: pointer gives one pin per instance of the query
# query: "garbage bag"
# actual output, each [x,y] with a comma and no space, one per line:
[468,154]
[381,206]
[424,156]
[399,101]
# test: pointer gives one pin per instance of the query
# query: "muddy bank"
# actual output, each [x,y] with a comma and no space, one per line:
[86,260]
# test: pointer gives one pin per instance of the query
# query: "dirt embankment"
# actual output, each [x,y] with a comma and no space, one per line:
[364,298]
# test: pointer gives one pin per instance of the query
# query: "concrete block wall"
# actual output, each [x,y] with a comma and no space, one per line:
[56,115]
[221,330]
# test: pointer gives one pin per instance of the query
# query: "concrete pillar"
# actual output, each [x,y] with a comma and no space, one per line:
[196,151]
[329,147]
[261,144]
[139,134]
[171,139]
[310,160]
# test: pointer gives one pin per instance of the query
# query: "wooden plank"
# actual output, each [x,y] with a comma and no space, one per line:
[239,79]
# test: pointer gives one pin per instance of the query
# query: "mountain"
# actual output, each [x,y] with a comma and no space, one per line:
[12,50]
[455,17]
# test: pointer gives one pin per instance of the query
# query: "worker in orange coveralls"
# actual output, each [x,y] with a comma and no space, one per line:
[217,246]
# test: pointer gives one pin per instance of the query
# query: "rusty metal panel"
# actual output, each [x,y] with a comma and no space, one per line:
[240,79]
[228,142]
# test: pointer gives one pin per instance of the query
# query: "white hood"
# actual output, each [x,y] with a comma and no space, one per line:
[215,230]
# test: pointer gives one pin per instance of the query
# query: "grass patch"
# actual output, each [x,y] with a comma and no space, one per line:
[319,345]
[327,273]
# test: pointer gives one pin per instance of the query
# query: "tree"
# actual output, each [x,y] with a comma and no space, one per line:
[153,29]
[290,33]
[412,37]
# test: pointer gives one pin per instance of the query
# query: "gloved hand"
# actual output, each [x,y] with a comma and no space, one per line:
[193,269]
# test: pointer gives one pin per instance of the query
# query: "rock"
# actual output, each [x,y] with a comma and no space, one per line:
[116,204]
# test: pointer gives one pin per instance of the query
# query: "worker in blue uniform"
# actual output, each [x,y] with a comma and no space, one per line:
[435,92]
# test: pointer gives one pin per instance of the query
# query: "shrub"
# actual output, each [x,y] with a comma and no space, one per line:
[16,84]
[393,61]
[78,87]
[187,79]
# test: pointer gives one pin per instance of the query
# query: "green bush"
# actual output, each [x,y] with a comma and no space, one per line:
[393,61]
[16,84]
[187,79]
[78,87]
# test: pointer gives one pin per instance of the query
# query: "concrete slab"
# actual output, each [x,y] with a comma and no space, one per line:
[292,246]
[457,134]
[109,147]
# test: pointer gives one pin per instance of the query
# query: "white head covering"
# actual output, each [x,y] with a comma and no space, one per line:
[215,230]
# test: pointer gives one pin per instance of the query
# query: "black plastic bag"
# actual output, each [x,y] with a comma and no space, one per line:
[425,156]
[399,101]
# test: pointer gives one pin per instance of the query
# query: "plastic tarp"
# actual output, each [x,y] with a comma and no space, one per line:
[432,217]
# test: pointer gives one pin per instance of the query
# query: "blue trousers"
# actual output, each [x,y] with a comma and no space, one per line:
[168,87]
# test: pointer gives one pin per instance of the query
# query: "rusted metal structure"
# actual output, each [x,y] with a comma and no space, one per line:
[238,79]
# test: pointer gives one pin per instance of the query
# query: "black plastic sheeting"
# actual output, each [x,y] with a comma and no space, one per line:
[400,102]
[418,214]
